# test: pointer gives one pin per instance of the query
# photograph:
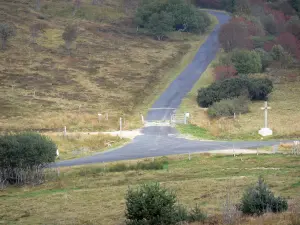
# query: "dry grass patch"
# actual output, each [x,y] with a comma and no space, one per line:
[79,145]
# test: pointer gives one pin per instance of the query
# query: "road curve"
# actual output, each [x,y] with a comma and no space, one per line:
[162,141]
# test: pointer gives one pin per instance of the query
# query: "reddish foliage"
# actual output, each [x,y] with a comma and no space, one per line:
[294,28]
[269,45]
[290,43]
[235,35]
[224,72]
[252,28]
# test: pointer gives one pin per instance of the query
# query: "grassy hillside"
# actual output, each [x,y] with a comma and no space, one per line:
[88,195]
[283,117]
[112,68]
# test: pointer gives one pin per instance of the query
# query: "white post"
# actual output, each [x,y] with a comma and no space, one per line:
[234,116]
[189,156]
[143,121]
[65,131]
[99,116]
[184,118]
[120,127]
[265,131]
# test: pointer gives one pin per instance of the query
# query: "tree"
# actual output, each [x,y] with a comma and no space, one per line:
[76,4]
[36,29]
[24,151]
[160,24]
[224,72]
[6,32]
[259,199]
[242,7]
[151,204]
[69,36]
[246,62]
[290,43]
[234,35]
[257,89]
[295,4]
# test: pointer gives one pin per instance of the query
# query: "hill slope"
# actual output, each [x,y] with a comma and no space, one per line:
[112,68]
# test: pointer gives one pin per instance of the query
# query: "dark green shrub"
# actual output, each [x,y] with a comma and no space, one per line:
[257,89]
[175,14]
[152,205]
[258,200]
[26,150]
[227,107]
[196,215]
[246,61]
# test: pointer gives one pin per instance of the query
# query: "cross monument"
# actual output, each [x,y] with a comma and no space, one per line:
[265,131]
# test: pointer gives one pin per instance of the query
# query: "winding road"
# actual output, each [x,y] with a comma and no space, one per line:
[164,140]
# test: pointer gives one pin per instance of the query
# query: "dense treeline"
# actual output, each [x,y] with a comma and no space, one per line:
[161,17]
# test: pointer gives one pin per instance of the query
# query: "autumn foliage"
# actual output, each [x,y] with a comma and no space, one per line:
[224,72]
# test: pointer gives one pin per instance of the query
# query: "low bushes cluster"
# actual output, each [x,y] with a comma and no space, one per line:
[227,107]
[254,88]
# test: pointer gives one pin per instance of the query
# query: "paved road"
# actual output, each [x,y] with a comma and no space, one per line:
[164,140]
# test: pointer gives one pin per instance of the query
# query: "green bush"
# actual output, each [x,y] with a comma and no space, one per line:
[151,204]
[26,151]
[257,89]
[196,215]
[175,14]
[227,107]
[258,200]
[246,61]
[265,57]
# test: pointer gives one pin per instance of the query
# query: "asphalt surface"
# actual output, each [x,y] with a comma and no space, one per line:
[164,140]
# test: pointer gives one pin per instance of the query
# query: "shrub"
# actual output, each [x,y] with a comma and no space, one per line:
[196,215]
[224,72]
[160,24]
[151,204]
[265,57]
[246,62]
[175,14]
[277,52]
[234,35]
[24,153]
[258,200]
[26,150]
[227,107]
[258,89]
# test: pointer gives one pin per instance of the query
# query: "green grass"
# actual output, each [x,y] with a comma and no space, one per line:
[194,131]
[88,195]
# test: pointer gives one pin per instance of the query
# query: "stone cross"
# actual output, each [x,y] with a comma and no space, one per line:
[266,107]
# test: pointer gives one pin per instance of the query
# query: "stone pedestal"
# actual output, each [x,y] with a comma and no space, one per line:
[265,132]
